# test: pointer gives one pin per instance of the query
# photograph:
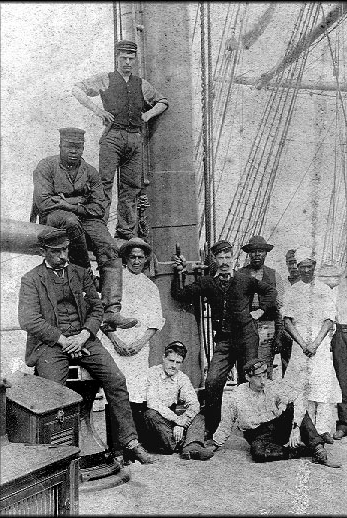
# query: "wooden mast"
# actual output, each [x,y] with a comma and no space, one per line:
[162,32]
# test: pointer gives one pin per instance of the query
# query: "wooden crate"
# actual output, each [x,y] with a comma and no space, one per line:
[39,480]
[40,411]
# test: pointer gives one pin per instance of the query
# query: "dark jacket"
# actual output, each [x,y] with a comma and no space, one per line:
[38,313]
[50,179]
[269,276]
[230,309]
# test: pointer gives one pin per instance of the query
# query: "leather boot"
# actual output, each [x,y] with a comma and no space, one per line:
[320,456]
[111,296]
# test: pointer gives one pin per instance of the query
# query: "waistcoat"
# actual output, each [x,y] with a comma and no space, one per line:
[68,320]
[124,100]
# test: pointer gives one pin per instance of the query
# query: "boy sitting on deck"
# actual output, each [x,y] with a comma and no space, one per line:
[273,423]
[170,430]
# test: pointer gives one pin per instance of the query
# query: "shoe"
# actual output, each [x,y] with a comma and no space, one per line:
[137,453]
[339,434]
[211,445]
[114,459]
[320,456]
[327,438]
[196,451]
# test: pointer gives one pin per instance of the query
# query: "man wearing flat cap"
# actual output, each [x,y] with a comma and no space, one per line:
[128,101]
[270,324]
[233,322]
[141,301]
[68,194]
[272,419]
[61,312]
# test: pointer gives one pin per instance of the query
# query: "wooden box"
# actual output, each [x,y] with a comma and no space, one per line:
[40,411]
[39,480]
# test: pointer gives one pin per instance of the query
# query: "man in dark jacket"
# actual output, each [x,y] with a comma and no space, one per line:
[61,311]
[68,194]
[270,324]
[233,322]
[128,101]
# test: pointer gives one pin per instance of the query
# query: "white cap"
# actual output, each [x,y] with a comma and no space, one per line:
[303,253]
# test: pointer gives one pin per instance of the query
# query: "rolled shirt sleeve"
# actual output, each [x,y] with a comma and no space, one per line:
[94,84]
[229,417]
[188,397]
[151,95]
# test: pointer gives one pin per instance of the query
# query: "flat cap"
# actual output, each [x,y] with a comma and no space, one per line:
[56,238]
[126,46]
[221,246]
[290,254]
[257,243]
[72,134]
[255,366]
[134,242]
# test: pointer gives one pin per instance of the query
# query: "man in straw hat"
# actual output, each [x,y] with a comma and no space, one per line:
[128,101]
[236,334]
[68,194]
[61,312]
[270,324]
[272,422]
[141,301]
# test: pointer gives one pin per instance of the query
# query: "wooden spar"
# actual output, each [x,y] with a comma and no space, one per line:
[308,85]
[303,44]
[20,237]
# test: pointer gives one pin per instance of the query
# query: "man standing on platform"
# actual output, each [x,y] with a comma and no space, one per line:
[128,101]
[339,348]
[61,312]
[270,324]
[68,194]
[233,322]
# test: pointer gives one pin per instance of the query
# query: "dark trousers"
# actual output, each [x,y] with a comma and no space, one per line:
[79,230]
[54,365]
[119,148]
[286,350]
[240,347]
[267,440]
[339,348]
[159,432]
[138,410]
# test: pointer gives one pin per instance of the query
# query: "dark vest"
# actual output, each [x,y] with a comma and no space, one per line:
[124,100]
[68,320]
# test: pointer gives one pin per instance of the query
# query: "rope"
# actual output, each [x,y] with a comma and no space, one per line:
[204,94]
[210,120]
[246,186]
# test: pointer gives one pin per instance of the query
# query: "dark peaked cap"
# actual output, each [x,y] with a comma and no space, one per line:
[72,134]
[126,46]
[56,238]
[221,246]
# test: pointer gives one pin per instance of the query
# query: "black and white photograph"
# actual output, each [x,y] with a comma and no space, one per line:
[173,258]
